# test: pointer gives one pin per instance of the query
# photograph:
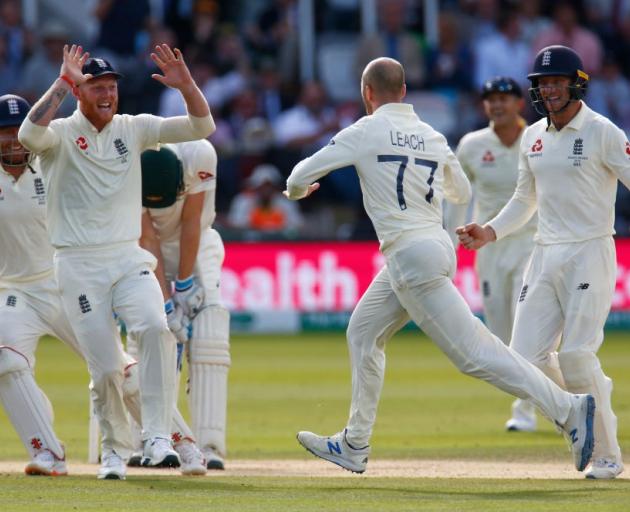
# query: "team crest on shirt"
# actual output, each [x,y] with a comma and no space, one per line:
[488,158]
[578,149]
[121,149]
[205,175]
[40,191]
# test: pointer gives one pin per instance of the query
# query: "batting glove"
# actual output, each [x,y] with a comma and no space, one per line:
[177,321]
[188,296]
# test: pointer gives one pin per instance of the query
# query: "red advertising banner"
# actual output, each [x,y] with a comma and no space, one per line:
[332,276]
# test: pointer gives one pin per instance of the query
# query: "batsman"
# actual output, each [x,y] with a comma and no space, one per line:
[178,196]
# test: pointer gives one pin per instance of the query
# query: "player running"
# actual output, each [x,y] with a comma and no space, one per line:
[569,165]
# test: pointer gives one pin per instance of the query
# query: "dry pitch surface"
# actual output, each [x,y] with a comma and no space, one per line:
[376,469]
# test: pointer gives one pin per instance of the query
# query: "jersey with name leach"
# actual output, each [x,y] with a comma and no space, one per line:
[94,179]
[492,168]
[572,175]
[405,168]
[25,252]
[199,162]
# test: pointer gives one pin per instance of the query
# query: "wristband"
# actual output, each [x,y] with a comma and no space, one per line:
[168,306]
[67,79]
[181,285]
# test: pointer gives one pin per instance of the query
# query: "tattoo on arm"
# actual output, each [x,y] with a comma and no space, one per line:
[50,101]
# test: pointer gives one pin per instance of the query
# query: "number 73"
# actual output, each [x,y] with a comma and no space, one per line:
[403,161]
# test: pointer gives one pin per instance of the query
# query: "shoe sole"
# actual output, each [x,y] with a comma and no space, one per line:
[112,476]
[41,472]
[330,458]
[199,471]
[170,461]
[587,449]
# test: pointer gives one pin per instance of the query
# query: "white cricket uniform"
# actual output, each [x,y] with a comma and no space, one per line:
[405,169]
[571,177]
[199,160]
[94,205]
[208,356]
[492,168]
[30,305]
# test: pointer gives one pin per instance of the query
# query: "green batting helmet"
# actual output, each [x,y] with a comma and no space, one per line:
[162,178]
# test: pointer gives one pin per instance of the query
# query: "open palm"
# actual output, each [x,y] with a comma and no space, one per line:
[174,69]
[73,60]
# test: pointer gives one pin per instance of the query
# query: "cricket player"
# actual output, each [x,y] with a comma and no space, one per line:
[406,169]
[178,192]
[569,165]
[489,158]
[91,163]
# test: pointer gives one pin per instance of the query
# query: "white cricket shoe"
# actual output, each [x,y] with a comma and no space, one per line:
[336,449]
[578,429]
[603,469]
[158,452]
[523,417]
[193,461]
[213,459]
[113,467]
[135,460]
[46,463]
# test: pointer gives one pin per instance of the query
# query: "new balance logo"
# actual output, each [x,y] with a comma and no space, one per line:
[523,293]
[144,272]
[546,58]
[583,286]
[334,447]
[574,437]
[486,289]
[11,301]
[84,304]
[578,146]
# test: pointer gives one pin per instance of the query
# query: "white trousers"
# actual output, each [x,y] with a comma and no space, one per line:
[94,283]
[500,268]
[566,297]
[416,282]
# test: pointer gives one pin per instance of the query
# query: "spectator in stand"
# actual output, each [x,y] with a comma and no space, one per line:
[449,65]
[393,41]
[262,207]
[608,93]
[272,99]
[19,42]
[566,31]
[622,212]
[122,22]
[504,53]
[42,68]
[10,72]
[620,47]
[532,20]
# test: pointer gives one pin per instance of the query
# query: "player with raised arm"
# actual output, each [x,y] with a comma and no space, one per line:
[569,165]
[178,192]
[406,169]
[91,163]
[489,158]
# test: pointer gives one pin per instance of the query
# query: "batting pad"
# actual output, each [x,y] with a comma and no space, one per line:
[24,403]
[209,361]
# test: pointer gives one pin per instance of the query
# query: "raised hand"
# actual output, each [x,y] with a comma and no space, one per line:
[73,60]
[311,188]
[473,236]
[171,63]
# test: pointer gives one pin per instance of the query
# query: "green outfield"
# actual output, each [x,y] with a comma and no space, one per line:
[282,384]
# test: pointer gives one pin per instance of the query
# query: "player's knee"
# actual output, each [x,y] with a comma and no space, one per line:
[578,367]
[131,383]
[12,360]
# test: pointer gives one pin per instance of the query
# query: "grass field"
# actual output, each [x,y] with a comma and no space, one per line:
[279,385]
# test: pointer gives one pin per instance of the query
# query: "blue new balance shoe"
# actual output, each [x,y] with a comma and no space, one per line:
[578,430]
[336,449]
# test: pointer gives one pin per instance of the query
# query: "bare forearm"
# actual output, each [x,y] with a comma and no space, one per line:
[43,112]
[188,248]
[196,103]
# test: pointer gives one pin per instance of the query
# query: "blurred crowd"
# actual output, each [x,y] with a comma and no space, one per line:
[244,54]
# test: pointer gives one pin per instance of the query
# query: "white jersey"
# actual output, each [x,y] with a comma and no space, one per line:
[405,167]
[571,176]
[25,252]
[199,162]
[492,168]
[94,179]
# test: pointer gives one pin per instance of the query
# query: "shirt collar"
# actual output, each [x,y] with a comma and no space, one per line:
[395,107]
[85,123]
[578,120]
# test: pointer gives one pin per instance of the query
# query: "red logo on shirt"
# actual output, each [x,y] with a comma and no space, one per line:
[537,146]
[204,175]
[488,157]
[82,143]
[627,148]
